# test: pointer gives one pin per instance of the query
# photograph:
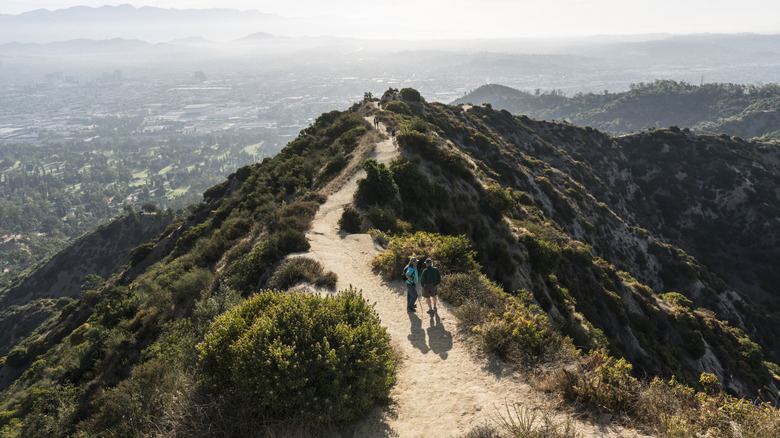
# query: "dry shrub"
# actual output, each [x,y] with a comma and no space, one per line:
[301,269]
[523,422]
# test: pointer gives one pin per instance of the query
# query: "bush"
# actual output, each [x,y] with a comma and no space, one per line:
[522,328]
[609,383]
[299,356]
[678,299]
[139,253]
[451,253]
[415,189]
[398,107]
[17,357]
[247,270]
[545,253]
[351,220]
[296,270]
[384,220]
[410,95]
[414,141]
[461,288]
[378,186]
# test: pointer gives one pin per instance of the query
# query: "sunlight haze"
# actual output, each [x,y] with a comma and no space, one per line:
[462,19]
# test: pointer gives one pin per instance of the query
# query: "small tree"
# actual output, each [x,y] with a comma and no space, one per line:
[378,186]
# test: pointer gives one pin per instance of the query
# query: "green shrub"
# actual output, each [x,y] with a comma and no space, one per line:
[291,241]
[378,186]
[247,270]
[351,220]
[450,253]
[418,142]
[299,356]
[410,95]
[384,220]
[522,329]
[413,186]
[191,284]
[545,253]
[418,125]
[215,192]
[139,253]
[17,357]
[335,165]
[678,299]
[398,107]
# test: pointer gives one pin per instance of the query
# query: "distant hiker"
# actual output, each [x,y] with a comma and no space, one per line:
[410,271]
[430,280]
[392,132]
[376,123]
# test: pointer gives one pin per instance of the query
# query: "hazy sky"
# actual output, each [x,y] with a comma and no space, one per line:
[497,18]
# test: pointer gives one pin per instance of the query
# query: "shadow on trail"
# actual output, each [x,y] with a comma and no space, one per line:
[439,339]
[417,334]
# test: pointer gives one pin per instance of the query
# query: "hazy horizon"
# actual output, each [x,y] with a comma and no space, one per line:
[471,19]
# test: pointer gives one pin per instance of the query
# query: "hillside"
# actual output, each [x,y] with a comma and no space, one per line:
[58,280]
[560,246]
[738,110]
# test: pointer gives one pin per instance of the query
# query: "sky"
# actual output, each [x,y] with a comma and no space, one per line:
[495,18]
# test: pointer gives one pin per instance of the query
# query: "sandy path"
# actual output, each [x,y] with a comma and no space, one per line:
[442,388]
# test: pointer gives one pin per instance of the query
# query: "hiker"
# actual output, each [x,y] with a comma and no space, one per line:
[410,271]
[376,123]
[430,280]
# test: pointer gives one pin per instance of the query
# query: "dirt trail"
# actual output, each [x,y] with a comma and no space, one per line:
[443,388]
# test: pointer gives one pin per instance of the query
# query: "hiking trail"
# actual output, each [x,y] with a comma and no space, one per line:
[444,386]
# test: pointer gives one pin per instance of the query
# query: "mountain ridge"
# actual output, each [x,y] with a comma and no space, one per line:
[745,111]
[548,209]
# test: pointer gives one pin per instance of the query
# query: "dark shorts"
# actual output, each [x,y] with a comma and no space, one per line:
[430,290]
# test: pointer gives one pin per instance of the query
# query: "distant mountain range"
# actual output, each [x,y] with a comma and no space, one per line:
[125,21]
[745,111]
[158,24]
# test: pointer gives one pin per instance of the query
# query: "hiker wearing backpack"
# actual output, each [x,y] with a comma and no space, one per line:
[410,272]
[430,279]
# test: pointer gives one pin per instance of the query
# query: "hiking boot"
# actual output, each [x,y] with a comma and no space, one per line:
[431,311]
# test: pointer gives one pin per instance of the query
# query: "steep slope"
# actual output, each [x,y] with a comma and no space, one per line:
[556,196]
[34,298]
[745,111]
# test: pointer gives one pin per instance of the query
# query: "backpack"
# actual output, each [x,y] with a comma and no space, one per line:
[403,273]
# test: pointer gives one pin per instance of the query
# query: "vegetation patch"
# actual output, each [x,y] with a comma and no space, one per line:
[298,356]
[301,269]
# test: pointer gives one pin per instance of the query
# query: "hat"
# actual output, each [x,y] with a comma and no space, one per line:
[428,261]
[413,259]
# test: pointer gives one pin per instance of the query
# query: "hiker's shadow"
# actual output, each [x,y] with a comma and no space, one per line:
[439,339]
[417,334]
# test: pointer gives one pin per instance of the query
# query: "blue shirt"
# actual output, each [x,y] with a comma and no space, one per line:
[411,271]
